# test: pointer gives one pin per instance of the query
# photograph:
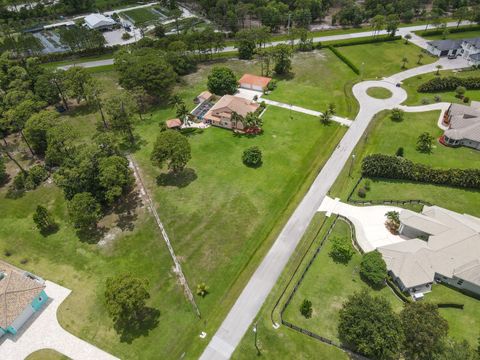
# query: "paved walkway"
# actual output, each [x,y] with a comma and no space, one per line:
[338,119]
[245,309]
[369,222]
[43,331]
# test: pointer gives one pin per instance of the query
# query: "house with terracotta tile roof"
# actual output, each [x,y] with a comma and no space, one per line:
[221,114]
[173,123]
[22,294]
[254,82]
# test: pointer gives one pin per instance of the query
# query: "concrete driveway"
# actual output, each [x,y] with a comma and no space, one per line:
[43,331]
[369,222]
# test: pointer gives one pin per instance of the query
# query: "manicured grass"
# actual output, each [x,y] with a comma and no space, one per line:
[221,220]
[463,324]
[46,354]
[379,92]
[141,16]
[328,285]
[319,78]
[458,35]
[416,98]
[384,59]
[283,342]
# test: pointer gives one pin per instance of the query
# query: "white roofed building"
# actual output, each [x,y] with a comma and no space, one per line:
[99,22]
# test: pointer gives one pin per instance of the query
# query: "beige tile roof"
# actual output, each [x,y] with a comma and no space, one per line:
[229,104]
[464,123]
[204,95]
[17,290]
[453,249]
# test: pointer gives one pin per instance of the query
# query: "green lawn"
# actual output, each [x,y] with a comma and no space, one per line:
[417,98]
[319,78]
[46,354]
[142,15]
[386,136]
[221,220]
[282,342]
[327,285]
[455,35]
[379,92]
[463,324]
[384,59]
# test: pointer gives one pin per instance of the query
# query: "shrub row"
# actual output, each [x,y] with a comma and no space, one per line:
[394,167]
[397,291]
[365,40]
[344,59]
[450,305]
[449,83]
[451,30]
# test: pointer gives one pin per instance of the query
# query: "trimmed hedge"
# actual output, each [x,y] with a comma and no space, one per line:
[451,30]
[449,83]
[344,59]
[71,55]
[450,305]
[394,167]
[366,40]
[397,291]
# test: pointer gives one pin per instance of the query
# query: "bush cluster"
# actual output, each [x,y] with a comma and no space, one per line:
[394,167]
[449,83]
[367,40]
[344,59]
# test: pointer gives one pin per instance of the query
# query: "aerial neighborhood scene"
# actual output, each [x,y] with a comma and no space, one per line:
[239,179]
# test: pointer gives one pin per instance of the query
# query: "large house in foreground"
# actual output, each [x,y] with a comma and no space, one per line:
[463,126]
[221,114]
[467,48]
[21,295]
[441,245]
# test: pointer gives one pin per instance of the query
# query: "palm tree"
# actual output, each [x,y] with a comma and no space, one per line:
[420,57]
[202,289]
[438,67]
[404,62]
[407,37]
[175,101]
[326,117]
[182,112]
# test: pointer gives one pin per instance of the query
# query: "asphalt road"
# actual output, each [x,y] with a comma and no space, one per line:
[401,31]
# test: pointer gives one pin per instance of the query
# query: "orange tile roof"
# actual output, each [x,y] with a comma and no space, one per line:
[255,80]
[173,123]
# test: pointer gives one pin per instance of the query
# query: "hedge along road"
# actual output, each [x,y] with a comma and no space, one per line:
[417,40]
[245,309]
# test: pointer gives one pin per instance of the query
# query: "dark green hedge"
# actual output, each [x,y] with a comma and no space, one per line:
[71,55]
[450,305]
[393,167]
[365,40]
[449,83]
[344,59]
[451,30]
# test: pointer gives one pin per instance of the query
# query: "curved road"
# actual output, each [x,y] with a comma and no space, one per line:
[245,309]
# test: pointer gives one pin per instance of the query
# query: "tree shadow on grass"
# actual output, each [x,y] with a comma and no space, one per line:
[132,330]
[92,236]
[52,229]
[126,211]
[180,180]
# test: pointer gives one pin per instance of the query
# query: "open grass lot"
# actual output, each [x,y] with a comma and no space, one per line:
[222,218]
[384,59]
[463,324]
[386,136]
[142,15]
[319,79]
[328,285]
[416,98]
[276,344]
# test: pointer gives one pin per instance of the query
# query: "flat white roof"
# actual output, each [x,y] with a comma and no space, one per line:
[95,21]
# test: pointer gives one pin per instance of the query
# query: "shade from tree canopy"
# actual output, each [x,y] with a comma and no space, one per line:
[222,81]
[282,55]
[115,177]
[84,212]
[44,220]
[3,171]
[424,330]
[171,148]
[125,299]
[369,326]
[37,127]
[373,268]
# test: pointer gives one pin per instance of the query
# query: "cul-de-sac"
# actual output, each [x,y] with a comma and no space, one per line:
[239,180]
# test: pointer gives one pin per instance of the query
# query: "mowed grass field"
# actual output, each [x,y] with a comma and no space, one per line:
[386,136]
[384,59]
[222,218]
[416,98]
[319,78]
[141,15]
[452,35]
[328,285]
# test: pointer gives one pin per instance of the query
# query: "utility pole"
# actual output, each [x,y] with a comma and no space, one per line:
[255,330]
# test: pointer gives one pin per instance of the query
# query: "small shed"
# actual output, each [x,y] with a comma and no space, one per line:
[254,82]
[173,123]
[204,96]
